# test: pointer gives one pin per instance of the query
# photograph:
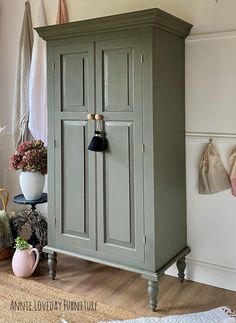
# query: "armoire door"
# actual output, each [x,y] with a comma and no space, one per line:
[74,167]
[120,167]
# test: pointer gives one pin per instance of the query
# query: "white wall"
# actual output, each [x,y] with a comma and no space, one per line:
[210,107]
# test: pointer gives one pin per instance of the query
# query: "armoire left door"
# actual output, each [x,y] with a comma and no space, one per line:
[74,177]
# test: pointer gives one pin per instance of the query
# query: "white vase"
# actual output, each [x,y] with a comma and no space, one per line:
[32,184]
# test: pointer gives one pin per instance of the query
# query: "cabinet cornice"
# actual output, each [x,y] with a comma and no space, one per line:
[144,18]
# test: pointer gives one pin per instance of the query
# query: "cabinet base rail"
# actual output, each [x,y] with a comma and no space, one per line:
[152,277]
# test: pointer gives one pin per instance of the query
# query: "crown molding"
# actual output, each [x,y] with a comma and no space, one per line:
[144,18]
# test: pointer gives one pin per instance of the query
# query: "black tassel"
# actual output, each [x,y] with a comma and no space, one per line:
[97,142]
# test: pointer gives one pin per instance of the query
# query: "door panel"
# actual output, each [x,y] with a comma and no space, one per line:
[118,79]
[120,167]
[74,184]
[74,81]
[74,77]
[75,167]
[119,181]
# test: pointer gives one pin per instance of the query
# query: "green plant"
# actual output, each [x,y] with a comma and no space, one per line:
[21,244]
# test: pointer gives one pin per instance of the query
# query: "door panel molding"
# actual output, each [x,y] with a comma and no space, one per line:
[74,170]
[74,81]
[119,180]
[74,75]
[117,74]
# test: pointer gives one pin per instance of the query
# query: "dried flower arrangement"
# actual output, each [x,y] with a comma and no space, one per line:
[31,156]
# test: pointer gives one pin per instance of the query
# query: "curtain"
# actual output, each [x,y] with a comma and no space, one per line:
[38,84]
[21,90]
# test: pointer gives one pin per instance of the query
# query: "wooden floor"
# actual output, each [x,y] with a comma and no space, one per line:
[128,290]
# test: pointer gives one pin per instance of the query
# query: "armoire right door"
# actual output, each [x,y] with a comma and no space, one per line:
[120,168]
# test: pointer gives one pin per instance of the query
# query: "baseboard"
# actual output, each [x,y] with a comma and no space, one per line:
[210,274]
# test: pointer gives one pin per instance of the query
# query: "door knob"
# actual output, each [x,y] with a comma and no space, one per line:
[90,116]
[99,117]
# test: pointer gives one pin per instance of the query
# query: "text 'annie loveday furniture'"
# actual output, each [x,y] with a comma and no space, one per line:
[124,207]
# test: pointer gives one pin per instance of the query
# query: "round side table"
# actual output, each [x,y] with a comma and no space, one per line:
[20,199]
[30,224]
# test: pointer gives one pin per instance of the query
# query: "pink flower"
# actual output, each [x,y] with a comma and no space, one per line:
[31,156]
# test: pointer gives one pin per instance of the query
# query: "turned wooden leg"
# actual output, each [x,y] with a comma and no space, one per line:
[52,264]
[181,265]
[153,291]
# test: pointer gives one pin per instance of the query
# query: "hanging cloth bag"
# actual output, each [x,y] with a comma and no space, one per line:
[213,177]
[6,238]
[232,163]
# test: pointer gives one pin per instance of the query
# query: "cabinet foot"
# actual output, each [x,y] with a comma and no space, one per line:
[153,291]
[181,265]
[52,264]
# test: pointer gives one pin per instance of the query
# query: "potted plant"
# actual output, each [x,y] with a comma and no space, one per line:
[24,262]
[31,158]
[21,244]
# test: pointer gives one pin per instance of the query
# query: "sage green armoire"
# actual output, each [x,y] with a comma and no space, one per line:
[124,207]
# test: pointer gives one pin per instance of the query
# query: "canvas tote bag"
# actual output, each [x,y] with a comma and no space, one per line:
[232,162]
[213,177]
[6,238]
